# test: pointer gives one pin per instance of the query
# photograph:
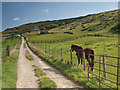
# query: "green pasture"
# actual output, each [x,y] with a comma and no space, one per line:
[51,38]
[101,46]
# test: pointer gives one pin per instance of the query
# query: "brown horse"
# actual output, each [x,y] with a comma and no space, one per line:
[89,51]
[79,52]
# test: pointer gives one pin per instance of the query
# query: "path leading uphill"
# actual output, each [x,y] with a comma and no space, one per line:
[26,78]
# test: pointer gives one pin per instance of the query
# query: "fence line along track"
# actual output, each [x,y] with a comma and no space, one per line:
[101,58]
[9,49]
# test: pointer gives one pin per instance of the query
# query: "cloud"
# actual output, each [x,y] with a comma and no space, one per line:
[46,10]
[16,19]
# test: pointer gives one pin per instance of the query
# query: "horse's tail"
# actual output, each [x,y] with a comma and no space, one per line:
[92,60]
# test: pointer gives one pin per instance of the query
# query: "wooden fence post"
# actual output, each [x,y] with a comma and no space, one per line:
[45,49]
[99,69]
[55,51]
[61,54]
[8,50]
[118,72]
[104,68]
[40,46]
[88,71]
[84,59]
[71,56]
[49,49]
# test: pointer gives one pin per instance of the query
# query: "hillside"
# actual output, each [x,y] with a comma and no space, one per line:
[96,31]
[105,22]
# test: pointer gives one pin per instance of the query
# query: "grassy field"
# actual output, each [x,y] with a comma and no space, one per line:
[101,46]
[9,64]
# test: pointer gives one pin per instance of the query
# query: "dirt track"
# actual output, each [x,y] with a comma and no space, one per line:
[26,78]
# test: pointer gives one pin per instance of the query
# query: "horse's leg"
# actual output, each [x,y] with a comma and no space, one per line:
[78,61]
[92,62]
[88,60]
[81,61]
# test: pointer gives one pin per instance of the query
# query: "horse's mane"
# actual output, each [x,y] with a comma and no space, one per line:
[89,49]
[75,46]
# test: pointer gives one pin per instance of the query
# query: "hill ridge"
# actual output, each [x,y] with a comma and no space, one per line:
[105,22]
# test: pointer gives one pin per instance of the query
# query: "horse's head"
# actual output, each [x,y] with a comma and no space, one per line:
[72,48]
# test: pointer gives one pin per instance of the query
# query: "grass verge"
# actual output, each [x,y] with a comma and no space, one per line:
[9,70]
[45,82]
[8,41]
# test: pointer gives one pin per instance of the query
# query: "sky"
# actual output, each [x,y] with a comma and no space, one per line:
[18,13]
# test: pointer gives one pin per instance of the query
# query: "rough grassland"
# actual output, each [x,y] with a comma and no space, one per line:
[9,70]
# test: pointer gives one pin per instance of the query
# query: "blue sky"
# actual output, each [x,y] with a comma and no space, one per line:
[18,13]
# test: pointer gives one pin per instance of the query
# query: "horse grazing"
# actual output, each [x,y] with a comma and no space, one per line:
[79,52]
[87,56]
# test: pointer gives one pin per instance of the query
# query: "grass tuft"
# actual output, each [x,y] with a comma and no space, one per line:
[24,45]
[30,57]
[38,72]
[46,83]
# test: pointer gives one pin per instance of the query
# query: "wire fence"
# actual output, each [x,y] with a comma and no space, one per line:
[9,50]
[103,73]
[14,47]
[102,69]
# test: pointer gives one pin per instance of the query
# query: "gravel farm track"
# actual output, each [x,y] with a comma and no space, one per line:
[25,71]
